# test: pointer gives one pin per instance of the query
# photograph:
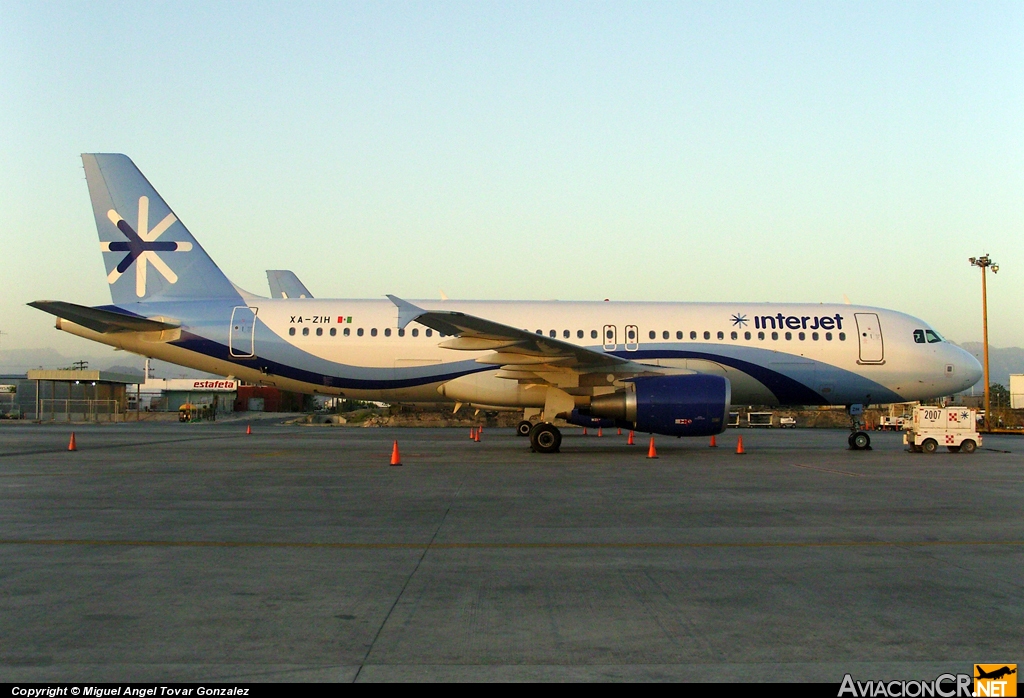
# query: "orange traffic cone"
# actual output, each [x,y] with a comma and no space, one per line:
[620,432]
[472,433]
[599,432]
[395,458]
[739,446]
[476,435]
[480,429]
[584,431]
[629,442]
[248,428]
[651,451]
[72,446]
[713,444]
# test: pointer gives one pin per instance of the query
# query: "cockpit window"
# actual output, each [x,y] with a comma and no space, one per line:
[919,336]
[932,336]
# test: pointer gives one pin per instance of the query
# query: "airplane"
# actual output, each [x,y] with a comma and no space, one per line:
[995,674]
[657,367]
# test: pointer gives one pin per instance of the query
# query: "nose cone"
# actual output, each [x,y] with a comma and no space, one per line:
[969,368]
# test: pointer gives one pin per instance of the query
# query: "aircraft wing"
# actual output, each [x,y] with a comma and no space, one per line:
[519,352]
[285,284]
[98,320]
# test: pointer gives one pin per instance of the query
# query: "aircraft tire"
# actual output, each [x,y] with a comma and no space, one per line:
[929,445]
[861,441]
[524,428]
[968,446]
[545,438]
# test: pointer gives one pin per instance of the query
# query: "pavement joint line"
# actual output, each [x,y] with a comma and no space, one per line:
[828,470]
[373,642]
[133,444]
[432,545]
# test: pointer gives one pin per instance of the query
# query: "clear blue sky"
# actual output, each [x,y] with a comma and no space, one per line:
[648,151]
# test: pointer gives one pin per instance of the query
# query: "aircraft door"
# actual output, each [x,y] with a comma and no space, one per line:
[241,338]
[611,339]
[869,335]
[632,338]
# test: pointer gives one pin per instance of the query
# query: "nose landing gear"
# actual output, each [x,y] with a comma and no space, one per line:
[859,439]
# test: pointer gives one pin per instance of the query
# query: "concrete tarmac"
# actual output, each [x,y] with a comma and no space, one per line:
[175,552]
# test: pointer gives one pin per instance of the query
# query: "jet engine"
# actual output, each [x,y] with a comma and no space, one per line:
[686,405]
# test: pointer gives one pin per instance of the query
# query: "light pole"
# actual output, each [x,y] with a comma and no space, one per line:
[985,263]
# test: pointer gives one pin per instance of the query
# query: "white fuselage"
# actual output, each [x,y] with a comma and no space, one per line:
[771,353]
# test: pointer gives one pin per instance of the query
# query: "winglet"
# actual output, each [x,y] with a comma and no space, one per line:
[407,312]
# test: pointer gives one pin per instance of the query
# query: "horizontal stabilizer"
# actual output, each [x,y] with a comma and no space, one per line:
[103,321]
[285,284]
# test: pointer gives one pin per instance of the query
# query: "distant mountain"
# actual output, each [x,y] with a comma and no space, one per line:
[1001,361]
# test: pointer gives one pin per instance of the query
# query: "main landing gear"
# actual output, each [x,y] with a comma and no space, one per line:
[524,427]
[545,438]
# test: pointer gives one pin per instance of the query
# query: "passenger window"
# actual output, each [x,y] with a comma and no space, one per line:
[401,333]
[721,335]
[593,334]
[360,332]
[814,336]
[919,336]
[291,331]
[305,331]
[540,332]
[319,331]
[707,335]
[415,332]
[842,336]
[373,332]
[693,335]
[789,336]
[664,335]
[652,334]
[775,335]
[334,331]
[828,336]
[552,334]
[429,333]
[933,336]
[579,334]
[347,331]
[802,336]
[679,334]
[760,335]
[387,331]
[746,335]
[733,335]
[608,334]
[565,334]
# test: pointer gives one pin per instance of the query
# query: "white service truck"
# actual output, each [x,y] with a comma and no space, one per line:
[956,428]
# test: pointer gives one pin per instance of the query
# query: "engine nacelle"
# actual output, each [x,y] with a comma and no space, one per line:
[687,405]
[589,420]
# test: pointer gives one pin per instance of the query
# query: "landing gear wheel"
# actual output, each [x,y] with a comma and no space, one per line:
[524,427]
[968,446]
[860,441]
[545,438]
[929,445]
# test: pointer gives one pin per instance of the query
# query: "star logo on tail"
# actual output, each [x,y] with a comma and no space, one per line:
[142,247]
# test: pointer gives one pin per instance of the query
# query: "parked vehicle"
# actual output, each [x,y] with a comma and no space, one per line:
[952,427]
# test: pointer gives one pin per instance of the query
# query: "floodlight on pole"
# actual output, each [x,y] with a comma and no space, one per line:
[985,263]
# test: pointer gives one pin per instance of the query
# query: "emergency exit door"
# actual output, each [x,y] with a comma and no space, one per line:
[241,338]
[869,335]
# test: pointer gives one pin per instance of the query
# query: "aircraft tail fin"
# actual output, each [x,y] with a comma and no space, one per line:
[149,254]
